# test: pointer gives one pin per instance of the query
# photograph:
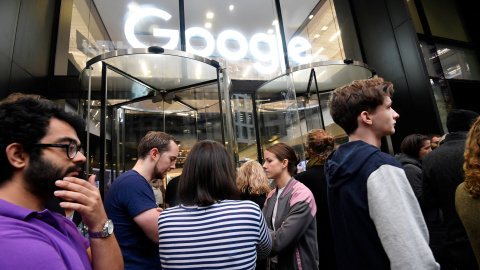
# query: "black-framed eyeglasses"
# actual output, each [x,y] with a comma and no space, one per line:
[72,149]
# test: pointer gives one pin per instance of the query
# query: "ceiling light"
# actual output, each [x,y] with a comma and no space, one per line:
[316,36]
[231,7]
[310,17]
[269,31]
[334,36]
[246,71]
[324,28]
[319,51]
[132,6]
[208,25]
[275,22]
[210,15]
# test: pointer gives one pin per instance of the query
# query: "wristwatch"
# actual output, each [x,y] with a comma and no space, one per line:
[106,231]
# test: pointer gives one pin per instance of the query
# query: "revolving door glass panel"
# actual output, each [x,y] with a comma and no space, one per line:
[291,105]
[190,116]
[278,115]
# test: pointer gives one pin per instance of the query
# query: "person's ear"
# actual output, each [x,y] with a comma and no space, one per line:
[154,154]
[285,163]
[16,155]
[365,118]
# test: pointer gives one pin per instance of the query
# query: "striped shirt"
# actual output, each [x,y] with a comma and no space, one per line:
[225,235]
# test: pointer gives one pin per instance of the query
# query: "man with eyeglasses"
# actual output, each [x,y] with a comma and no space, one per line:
[130,201]
[41,156]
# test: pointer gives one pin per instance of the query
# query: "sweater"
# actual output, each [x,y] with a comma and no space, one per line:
[468,209]
[376,220]
[295,236]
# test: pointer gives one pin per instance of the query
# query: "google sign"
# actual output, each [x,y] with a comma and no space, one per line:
[296,47]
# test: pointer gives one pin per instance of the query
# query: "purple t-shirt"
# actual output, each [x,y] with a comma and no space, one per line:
[40,240]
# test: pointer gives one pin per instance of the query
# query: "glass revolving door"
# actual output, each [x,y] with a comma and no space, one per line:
[131,92]
[291,105]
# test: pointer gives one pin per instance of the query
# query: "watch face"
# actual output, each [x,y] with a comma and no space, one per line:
[110,226]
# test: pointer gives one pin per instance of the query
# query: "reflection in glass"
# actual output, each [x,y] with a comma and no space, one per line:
[289,106]
[318,25]
[431,60]
[442,99]
[458,63]
[279,120]
[245,127]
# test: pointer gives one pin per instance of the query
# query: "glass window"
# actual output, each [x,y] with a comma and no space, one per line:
[431,59]
[311,31]
[240,35]
[416,19]
[442,99]
[458,63]
[335,130]
[246,140]
[278,115]
[81,36]
[444,19]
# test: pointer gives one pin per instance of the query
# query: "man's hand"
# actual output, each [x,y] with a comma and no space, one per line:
[83,197]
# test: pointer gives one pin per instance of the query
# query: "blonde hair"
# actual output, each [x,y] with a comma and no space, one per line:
[472,161]
[252,177]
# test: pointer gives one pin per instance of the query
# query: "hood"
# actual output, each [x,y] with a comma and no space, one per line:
[405,159]
[348,160]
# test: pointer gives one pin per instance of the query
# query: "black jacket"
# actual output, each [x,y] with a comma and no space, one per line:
[314,179]
[442,173]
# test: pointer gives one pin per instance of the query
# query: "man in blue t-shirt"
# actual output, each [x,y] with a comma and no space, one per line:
[130,201]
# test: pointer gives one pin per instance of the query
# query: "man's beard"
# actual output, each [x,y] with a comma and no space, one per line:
[156,173]
[41,175]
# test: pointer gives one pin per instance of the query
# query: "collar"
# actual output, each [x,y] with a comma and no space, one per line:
[314,161]
[287,187]
[8,209]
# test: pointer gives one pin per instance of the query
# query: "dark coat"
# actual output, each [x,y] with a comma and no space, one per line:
[314,179]
[413,169]
[442,173]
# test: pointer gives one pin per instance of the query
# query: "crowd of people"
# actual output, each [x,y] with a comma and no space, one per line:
[354,207]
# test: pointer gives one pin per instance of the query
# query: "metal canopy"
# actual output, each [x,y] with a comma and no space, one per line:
[328,75]
[156,68]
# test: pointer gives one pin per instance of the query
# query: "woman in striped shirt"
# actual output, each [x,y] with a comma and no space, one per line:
[210,230]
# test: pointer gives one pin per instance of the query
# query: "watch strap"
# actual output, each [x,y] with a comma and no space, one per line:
[96,234]
[104,232]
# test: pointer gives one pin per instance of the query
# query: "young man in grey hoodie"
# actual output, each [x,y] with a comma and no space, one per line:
[376,220]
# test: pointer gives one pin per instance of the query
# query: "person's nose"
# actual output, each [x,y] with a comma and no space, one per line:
[172,165]
[79,158]
[395,114]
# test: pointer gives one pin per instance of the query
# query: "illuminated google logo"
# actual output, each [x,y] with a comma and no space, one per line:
[296,47]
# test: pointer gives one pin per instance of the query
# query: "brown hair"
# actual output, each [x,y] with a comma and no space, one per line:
[252,178]
[412,144]
[320,143]
[155,139]
[347,102]
[284,151]
[472,161]
[208,175]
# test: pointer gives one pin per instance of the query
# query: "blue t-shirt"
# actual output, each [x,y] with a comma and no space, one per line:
[130,195]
